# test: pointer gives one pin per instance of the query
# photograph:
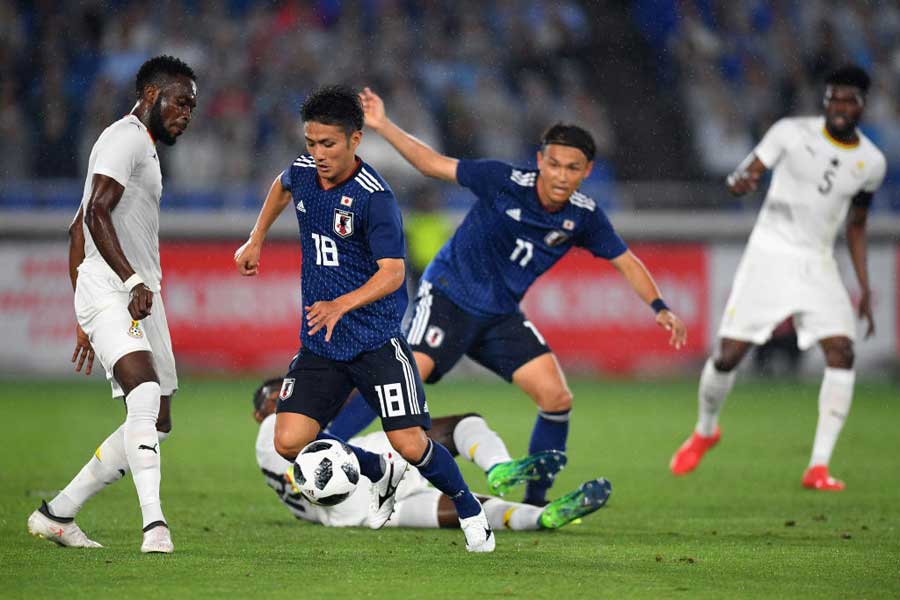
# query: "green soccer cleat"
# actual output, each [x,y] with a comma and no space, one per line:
[540,466]
[590,496]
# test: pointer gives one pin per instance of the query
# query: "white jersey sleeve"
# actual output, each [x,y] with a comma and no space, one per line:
[775,143]
[119,153]
[876,176]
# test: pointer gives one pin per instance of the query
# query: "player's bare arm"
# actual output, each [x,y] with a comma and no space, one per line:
[423,157]
[640,280]
[247,256]
[390,275]
[83,353]
[856,244]
[745,178]
[105,195]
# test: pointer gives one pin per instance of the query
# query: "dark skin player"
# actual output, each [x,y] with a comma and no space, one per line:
[166,110]
[843,107]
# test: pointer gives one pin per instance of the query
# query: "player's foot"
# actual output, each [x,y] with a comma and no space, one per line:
[64,532]
[158,539]
[590,496]
[817,478]
[381,504]
[688,456]
[540,466]
[479,535]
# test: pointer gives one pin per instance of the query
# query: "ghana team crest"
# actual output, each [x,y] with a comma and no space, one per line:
[343,222]
[287,389]
[135,330]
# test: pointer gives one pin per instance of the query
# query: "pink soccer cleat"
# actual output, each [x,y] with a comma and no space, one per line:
[688,456]
[817,478]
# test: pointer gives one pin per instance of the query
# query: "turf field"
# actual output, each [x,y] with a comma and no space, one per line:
[741,526]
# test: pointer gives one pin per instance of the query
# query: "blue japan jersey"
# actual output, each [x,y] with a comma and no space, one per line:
[343,232]
[508,239]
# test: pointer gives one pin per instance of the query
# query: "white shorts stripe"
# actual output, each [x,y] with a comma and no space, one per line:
[411,393]
[423,314]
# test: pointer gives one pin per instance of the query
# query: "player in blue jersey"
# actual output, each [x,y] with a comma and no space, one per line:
[353,276]
[525,220]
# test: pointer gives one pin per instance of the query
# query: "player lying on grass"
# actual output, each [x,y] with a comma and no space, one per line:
[420,505]
[823,170]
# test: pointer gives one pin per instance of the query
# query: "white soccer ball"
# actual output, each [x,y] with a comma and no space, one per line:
[326,472]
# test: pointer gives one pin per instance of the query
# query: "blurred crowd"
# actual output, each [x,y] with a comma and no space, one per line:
[739,65]
[470,77]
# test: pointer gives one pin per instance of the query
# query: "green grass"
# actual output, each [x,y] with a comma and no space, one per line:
[740,526]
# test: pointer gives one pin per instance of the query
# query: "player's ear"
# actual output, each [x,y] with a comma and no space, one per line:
[588,169]
[151,93]
[354,139]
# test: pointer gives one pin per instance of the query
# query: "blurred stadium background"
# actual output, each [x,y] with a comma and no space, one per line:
[675,92]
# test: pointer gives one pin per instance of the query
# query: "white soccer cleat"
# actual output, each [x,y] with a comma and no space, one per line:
[479,535]
[65,533]
[158,539]
[384,491]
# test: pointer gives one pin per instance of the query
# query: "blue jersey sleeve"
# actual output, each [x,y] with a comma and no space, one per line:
[385,227]
[600,239]
[286,178]
[484,177]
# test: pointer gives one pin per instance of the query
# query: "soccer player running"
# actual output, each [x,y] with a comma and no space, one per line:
[419,504]
[353,277]
[824,170]
[115,270]
[523,222]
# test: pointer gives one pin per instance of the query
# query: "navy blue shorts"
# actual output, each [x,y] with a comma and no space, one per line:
[445,332]
[387,378]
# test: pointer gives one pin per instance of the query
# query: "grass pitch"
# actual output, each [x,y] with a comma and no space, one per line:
[741,526]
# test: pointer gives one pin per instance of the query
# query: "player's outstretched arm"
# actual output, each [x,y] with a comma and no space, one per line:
[745,178]
[106,193]
[391,274]
[856,244]
[640,280]
[246,258]
[419,154]
[84,352]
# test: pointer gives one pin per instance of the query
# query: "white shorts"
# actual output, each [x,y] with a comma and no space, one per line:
[772,286]
[101,307]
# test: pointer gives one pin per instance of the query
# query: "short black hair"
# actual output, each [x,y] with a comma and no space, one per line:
[850,75]
[334,105]
[157,68]
[259,396]
[565,134]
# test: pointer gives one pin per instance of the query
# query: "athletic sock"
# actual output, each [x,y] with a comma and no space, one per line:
[512,515]
[835,398]
[353,418]
[369,462]
[479,443]
[714,388]
[439,468]
[550,432]
[142,448]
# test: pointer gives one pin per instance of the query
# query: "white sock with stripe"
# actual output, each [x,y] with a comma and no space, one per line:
[511,515]
[714,388]
[835,398]
[478,443]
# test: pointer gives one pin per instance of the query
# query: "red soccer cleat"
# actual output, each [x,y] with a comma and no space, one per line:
[817,478]
[688,456]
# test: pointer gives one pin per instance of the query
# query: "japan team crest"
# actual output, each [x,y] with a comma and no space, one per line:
[287,389]
[135,330]
[343,222]
[434,337]
[555,238]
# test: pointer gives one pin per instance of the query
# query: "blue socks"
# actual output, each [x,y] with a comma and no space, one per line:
[550,432]
[369,462]
[353,418]
[439,468]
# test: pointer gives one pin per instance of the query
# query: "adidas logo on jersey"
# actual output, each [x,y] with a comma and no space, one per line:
[514,214]
[300,207]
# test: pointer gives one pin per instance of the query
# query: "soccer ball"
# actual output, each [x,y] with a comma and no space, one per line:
[326,472]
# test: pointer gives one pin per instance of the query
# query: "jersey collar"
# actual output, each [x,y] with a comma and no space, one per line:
[835,142]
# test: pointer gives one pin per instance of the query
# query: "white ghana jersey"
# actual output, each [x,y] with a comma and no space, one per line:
[126,152]
[814,179]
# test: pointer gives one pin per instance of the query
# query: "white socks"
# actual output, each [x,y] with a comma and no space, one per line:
[714,388]
[835,397]
[478,443]
[142,448]
[511,515]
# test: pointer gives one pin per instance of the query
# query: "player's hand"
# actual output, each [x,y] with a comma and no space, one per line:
[247,258]
[324,313]
[373,107]
[670,322]
[865,312]
[84,352]
[741,182]
[141,302]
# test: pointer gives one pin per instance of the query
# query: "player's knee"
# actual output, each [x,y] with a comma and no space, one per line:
[556,401]
[839,355]
[288,448]
[727,362]
[164,424]
[410,445]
